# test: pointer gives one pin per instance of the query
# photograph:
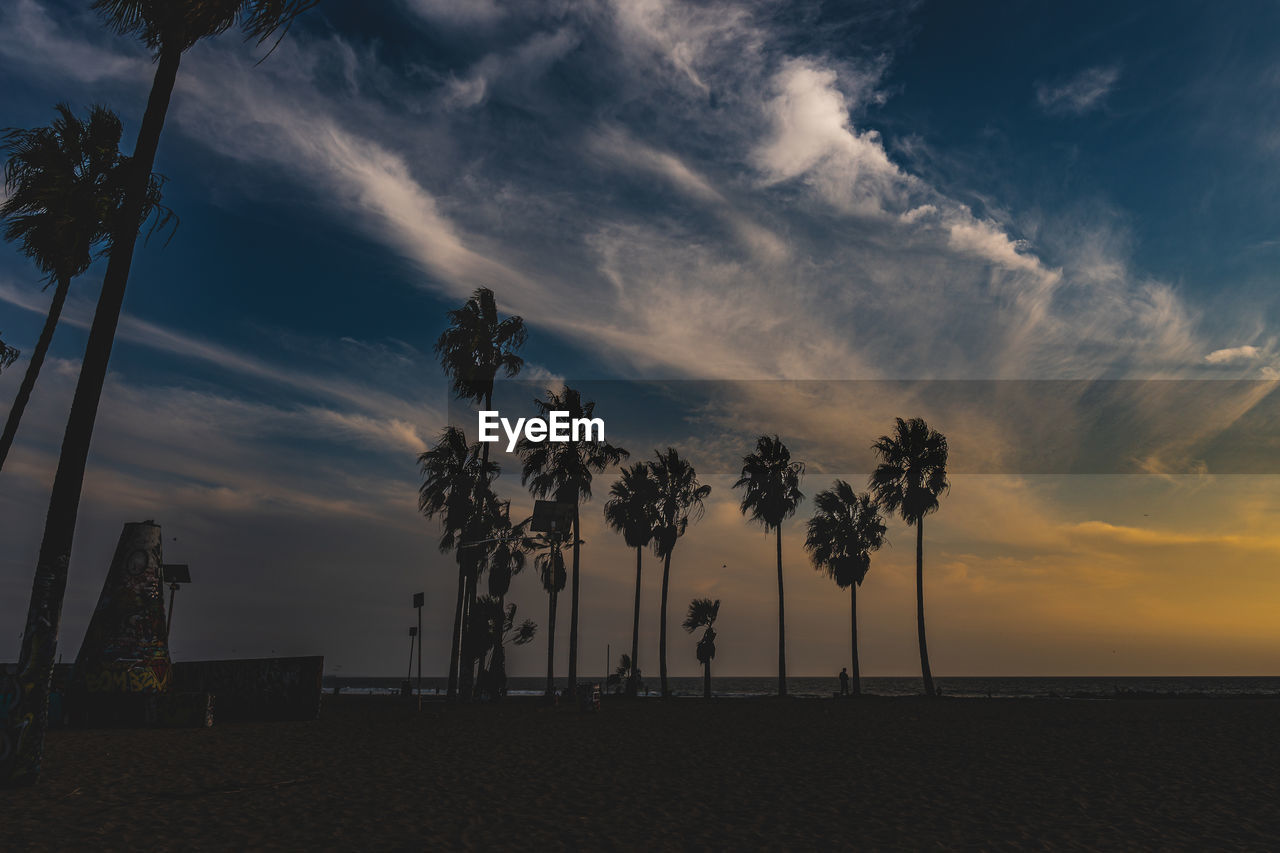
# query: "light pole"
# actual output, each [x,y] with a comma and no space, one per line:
[174,574]
[419,598]
[413,632]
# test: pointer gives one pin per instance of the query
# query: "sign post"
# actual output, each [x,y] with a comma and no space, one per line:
[174,574]
[419,598]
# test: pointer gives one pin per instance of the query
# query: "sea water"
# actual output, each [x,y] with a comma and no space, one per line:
[995,687]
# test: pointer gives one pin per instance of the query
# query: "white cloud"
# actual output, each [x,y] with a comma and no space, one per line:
[1234,355]
[1080,94]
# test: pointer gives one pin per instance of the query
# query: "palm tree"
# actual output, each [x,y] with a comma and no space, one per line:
[630,511]
[64,183]
[844,530]
[911,476]
[169,27]
[702,614]
[550,565]
[492,626]
[625,672]
[475,347]
[679,501]
[455,489]
[8,355]
[772,493]
[504,560]
[563,470]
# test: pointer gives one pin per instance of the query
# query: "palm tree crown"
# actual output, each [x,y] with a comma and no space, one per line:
[630,509]
[64,183]
[845,529]
[179,24]
[455,485]
[679,498]
[912,473]
[477,345]
[772,483]
[702,614]
[563,470]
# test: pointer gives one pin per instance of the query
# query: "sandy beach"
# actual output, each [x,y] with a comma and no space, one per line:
[373,773]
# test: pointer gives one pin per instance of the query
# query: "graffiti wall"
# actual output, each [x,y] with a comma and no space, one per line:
[126,649]
[255,689]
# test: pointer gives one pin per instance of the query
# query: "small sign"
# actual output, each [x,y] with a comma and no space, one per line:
[551,517]
[176,573]
[413,631]
[419,598]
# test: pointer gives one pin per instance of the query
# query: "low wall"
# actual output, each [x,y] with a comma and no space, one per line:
[255,688]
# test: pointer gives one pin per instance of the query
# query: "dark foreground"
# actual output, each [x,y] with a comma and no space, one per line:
[374,774]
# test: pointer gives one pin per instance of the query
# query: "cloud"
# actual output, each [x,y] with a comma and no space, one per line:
[812,137]
[1079,94]
[1234,355]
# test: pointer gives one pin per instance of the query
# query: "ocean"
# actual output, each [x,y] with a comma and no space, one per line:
[1016,687]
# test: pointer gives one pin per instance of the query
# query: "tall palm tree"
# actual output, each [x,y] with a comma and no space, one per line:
[478,345]
[549,562]
[910,478]
[772,492]
[679,501]
[455,489]
[845,529]
[630,510]
[563,471]
[702,614]
[64,183]
[169,28]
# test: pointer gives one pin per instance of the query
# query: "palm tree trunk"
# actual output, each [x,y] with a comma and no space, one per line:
[551,645]
[573,611]
[632,682]
[662,630]
[33,367]
[455,644]
[467,677]
[853,619]
[706,680]
[28,717]
[924,647]
[782,626]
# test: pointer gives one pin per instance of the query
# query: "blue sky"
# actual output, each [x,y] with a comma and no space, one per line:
[669,190]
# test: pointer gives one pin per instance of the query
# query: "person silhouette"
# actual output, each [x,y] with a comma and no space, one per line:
[844,681]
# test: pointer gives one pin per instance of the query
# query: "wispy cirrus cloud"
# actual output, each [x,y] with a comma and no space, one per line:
[1077,95]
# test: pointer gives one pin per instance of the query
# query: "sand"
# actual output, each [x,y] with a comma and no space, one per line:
[373,773]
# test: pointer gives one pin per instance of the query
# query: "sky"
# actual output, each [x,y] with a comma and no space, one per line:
[1047,228]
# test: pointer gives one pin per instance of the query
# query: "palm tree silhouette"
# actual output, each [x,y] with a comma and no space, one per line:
[504,560]
[455,489]
[702,614]
[679,500]
[549,562]
[64,183]
[625,672]
[169,27]
[564,470]
[630,510]
[8,354]
[477,345]
[492,626]
[845,529]
[911,476]
[772,493]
